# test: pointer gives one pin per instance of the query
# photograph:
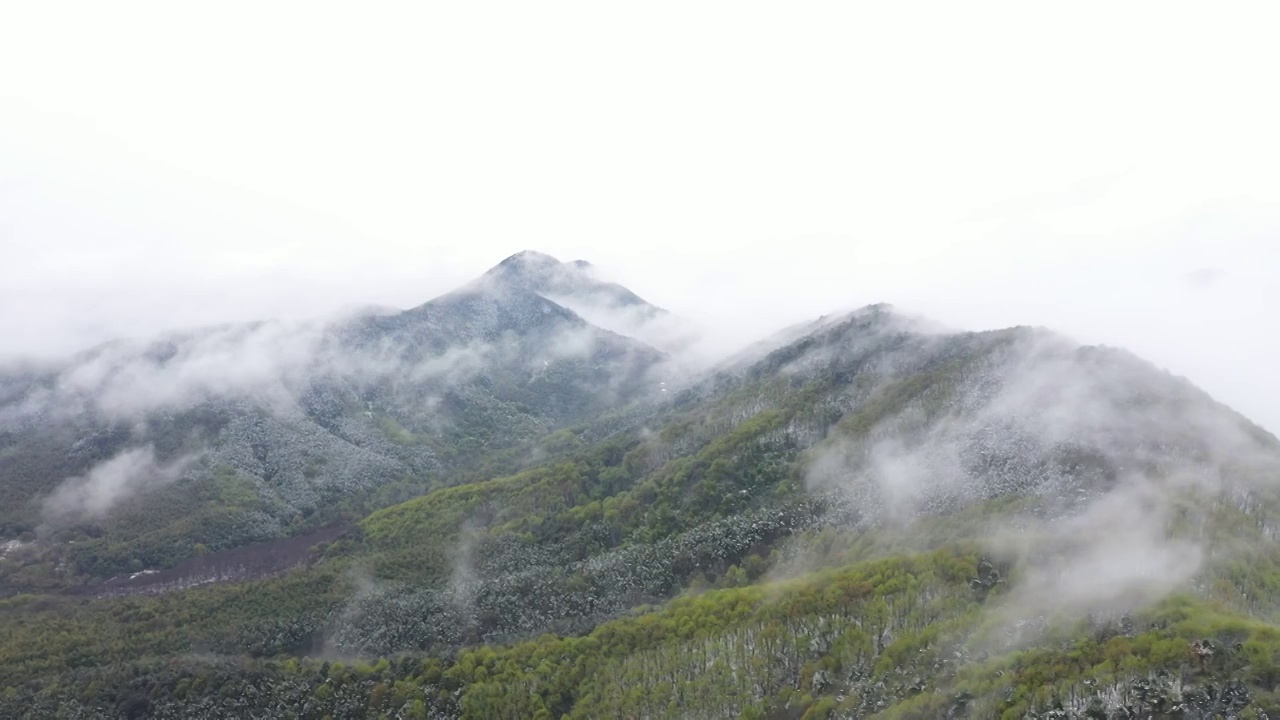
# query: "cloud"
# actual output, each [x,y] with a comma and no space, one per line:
[766,201]
[93,495]
[265,361]
[1115,555]
[1204,278]
[404,363]
[1100,445]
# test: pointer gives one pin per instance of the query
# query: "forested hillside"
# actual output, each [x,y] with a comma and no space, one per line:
[140,455]
[526,515]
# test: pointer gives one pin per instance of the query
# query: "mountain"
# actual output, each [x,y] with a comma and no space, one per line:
[577,286]
[863,516]
[141,451]
[575,281]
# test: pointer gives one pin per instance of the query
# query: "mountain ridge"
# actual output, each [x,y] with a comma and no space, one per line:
[864,515]
[393,393]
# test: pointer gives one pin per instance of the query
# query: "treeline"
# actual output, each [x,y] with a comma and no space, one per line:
[892,638]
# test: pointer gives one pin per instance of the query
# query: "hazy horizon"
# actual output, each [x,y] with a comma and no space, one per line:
[1106,174]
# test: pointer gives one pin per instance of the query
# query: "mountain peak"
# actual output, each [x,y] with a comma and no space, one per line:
[581,288]
[526,260]
[548,276]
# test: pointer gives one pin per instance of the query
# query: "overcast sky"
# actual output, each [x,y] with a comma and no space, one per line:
[1110,170]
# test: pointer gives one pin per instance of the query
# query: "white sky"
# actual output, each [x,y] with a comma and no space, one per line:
[1111,170]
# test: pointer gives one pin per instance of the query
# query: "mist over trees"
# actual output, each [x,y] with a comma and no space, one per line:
[488,506]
